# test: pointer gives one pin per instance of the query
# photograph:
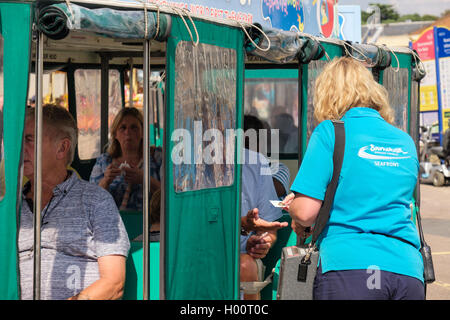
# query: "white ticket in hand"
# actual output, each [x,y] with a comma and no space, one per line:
[277,203]
[124,165]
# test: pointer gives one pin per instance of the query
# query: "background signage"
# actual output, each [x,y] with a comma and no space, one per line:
[442,47]
[315,17]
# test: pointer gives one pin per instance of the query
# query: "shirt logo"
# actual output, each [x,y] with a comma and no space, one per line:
[373,152]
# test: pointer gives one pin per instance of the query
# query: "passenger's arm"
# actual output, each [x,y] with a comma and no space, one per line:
[252,222]
[258,246]
[111,283]
[304,210]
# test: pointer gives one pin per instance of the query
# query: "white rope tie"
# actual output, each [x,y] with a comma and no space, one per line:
[69,7]
[72,15]
[316,39]
[251,40]
[380,56]
[157,23]
[146,20]
[179,12]
[420,65]
[144,3]
[163,76]
[396,58]
[345,44]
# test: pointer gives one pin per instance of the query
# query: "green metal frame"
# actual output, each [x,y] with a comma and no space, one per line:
[219,278]
[16,21]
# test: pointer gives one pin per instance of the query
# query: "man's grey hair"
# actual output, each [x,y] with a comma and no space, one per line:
[62,121]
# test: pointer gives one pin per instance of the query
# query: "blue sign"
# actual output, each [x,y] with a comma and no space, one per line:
[442,49]
[315,17]
[443,42]
[285,16]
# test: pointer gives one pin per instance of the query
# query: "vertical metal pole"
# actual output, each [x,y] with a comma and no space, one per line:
[131,82]
[38,131]
[104,111]
[300,114]
[146,185]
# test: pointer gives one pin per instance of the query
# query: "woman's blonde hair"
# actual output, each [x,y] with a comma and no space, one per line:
[344,84]
[114,148]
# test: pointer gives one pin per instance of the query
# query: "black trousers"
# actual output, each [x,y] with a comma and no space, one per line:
[371,284]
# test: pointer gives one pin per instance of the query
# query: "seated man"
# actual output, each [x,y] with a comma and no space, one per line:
[84,243]
[281,179]
[257,191]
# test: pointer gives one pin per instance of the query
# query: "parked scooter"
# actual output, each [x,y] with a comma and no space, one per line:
[436,173]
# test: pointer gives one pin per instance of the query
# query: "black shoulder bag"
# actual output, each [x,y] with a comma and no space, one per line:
[296,279]
[425,250]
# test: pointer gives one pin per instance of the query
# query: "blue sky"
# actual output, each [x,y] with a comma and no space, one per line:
[435,7]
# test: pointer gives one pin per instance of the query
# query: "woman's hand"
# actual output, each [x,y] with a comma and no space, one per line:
[301,231]
[287,201]
[111,172]
[133,175]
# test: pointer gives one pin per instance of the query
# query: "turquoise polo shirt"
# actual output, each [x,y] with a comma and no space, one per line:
[373,197]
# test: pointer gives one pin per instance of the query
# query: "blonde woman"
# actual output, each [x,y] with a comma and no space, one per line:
[370,247]
[119,170]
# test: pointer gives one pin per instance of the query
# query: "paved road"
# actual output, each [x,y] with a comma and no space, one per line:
[435,209]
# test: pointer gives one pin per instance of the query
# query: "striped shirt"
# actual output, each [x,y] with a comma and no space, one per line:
[80,224]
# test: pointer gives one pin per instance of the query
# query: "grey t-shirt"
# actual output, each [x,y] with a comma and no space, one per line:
[80,224]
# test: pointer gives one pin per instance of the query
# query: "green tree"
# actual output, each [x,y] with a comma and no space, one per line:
[412,17]
[364,17]
[418,17]
[387,13]
[429,17]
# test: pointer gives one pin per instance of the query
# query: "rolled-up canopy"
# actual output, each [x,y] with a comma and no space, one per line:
[280,46]
[374,56]
[284,46]
[57,20]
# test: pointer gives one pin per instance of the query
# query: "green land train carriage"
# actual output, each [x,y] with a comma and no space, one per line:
[209,73]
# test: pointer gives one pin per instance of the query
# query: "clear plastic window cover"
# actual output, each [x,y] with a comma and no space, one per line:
[414,131]
[2,151]
[204,111]
[314,69]
[103,21]
[275,103]
[88,101]
[396,84]
[284,46]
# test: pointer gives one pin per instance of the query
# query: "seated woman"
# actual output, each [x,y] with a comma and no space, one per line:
[119,170]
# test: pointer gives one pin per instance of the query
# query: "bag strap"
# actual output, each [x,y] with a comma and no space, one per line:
[338,158]
[418,216]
